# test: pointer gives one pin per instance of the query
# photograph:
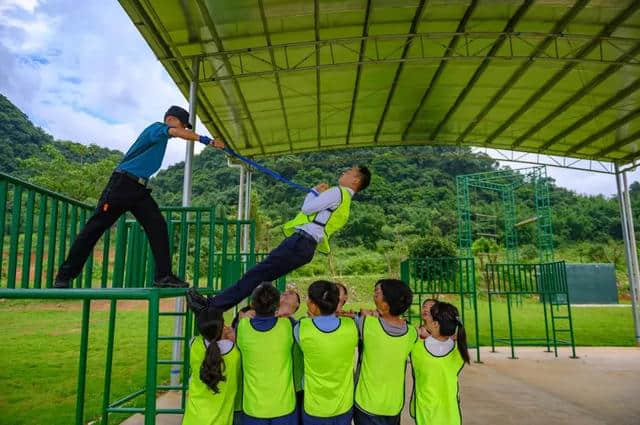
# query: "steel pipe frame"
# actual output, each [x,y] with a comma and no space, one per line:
[558,76]
[631,254]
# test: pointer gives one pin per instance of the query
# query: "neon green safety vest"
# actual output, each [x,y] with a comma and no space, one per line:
[267,374]
[328,367]
[204,407]
[298,367]
[384,360]
[336,221]
[436,397]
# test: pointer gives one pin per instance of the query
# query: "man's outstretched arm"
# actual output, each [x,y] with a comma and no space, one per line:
[183,133]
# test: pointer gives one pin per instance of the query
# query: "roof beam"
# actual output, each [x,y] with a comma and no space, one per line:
[356,86]
[204,11]
[524,7]
[451,48]
[412,31]
[267,36]
[598,134]
[568,103]
[584,51]
[620,144]
[522,69]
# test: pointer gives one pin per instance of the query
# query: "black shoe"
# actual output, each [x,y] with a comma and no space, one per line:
[61,284]
[170,281]
[195,301]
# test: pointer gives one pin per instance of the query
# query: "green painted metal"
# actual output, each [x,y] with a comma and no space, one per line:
[42,215]
[82,366]
[548,282]
[106,393]
[506,183]
[3,211]
[437,277]
[13,240]
[51,249]
[28,235]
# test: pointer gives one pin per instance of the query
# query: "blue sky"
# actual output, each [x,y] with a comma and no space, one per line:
[80,70]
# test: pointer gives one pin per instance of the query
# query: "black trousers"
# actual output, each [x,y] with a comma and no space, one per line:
[122,194]
[294,252]
[362,418]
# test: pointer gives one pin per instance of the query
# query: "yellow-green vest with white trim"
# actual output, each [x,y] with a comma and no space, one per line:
[336,221]
[436,396]
[204,407]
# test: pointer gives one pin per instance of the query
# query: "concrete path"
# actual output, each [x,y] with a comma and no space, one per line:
[600,388]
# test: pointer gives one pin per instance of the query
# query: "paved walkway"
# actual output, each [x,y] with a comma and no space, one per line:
[600,388]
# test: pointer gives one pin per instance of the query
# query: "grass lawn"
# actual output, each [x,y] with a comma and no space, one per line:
[41,343]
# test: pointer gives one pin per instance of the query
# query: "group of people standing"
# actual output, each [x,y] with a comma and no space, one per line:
[329,368]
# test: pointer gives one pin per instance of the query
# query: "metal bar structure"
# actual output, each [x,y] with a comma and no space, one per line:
[506,182]
[538,53]
[152,384]
[124,262]
[633,274]
[548,282]
[443,277]
[186,202]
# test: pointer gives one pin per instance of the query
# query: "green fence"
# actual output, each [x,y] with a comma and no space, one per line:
[437,277]
[37,228]
[548,282]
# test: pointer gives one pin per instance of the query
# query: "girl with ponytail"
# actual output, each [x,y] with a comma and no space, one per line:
[215,372]
[437,362]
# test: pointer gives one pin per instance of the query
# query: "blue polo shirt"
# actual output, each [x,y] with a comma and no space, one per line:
[145,156]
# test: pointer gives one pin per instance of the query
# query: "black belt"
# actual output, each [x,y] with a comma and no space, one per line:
[133,177]
[305,235]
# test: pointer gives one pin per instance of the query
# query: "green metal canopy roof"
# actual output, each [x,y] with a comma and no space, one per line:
[556,77]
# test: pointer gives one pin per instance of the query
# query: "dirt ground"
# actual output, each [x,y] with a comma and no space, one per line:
[601,387]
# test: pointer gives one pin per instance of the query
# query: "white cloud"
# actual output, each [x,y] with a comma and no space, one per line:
[82,72]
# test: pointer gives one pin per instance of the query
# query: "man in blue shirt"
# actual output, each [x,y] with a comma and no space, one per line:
[127,191]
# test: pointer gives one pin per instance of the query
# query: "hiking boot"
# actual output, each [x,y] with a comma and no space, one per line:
[61,283]
[170,281]
[195,301]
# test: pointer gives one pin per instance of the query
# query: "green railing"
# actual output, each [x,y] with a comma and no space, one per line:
[437,277]
[37,228]
[153,382]
[548,282]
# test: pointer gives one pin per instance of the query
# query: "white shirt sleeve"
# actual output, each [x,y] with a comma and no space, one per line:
[328,199]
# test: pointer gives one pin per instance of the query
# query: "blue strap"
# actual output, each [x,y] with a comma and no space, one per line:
[268,171]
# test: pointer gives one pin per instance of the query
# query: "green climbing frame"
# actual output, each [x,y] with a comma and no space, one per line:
[506,183]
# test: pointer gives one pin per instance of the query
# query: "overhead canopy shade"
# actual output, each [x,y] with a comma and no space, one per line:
[553,76]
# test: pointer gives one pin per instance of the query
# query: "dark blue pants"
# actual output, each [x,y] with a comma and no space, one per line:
[362,418]
[344,419]
[290,419]
[294,252]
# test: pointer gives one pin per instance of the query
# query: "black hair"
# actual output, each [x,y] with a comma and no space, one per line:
[265,299]
[365,177]
[344,288]
[210,323]
[325,295]
[397,294]
[448,317]
[236,319]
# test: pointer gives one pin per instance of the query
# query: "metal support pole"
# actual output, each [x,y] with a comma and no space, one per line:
[628,255]
[247,212]
[241,193]
[633,289]
[176,352]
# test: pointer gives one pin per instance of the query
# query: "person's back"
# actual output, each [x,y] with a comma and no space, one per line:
[387,342]
[266,345]
[328,344]
[215,374]
[437,362]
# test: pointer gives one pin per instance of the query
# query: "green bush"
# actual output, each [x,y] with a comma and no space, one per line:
[432,247]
